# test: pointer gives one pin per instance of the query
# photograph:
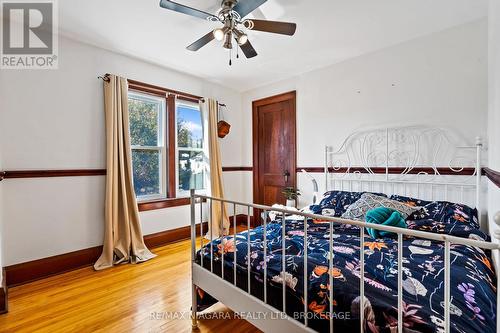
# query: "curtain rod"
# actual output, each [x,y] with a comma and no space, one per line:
[105,78]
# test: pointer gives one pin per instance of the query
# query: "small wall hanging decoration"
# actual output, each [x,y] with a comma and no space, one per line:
[223,127]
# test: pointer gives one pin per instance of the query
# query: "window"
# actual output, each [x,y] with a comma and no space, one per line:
[190,154]
[166,139]
[147,139]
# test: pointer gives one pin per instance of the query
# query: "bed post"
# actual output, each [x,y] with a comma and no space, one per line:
[386,155]
[326,168]
[496,261]
[194,305]
[479,171]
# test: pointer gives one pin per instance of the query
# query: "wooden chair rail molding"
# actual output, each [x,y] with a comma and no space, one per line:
[492,175]
[13,174]
[237,168]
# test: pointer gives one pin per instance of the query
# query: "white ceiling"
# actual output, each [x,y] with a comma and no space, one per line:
[328,31]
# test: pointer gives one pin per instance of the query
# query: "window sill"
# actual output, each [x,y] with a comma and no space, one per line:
[163,203]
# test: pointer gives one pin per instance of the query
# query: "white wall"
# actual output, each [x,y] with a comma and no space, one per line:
[440,79]
[55,120]
[494,104]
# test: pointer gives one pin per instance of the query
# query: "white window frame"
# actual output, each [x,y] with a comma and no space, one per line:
[182,193]
[162,144]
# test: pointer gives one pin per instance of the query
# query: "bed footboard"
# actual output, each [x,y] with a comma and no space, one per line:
[242,301]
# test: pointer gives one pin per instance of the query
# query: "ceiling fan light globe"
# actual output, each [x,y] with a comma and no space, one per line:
[240,36]
[242,39]
[218,34]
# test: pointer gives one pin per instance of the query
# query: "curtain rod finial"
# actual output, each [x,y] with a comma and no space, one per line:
[105,77]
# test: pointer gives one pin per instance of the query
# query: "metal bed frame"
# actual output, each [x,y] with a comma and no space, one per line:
[401,146]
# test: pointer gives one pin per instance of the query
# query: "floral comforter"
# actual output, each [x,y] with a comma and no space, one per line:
[473,306]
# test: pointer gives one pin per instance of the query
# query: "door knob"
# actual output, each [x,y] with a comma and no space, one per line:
[286,174]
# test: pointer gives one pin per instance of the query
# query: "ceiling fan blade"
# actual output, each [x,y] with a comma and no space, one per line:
[245,7]
[275,27]
[248,50]
[187,10]
[201,42]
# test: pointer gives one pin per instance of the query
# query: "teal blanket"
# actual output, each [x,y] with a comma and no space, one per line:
[384,216]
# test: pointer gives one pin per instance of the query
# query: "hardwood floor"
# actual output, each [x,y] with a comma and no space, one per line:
[128,298]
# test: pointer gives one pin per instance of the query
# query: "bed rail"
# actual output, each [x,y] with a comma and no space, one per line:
[242,300]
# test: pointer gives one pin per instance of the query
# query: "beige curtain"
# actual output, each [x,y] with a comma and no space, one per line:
[123,240]
[219,218]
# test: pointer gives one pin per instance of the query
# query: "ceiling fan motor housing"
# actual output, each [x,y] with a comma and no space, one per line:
[228,3]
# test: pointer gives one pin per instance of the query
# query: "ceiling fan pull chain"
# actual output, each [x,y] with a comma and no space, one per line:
[230,60]
[237,51]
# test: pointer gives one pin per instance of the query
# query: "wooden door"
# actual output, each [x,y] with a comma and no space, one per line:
[274,148]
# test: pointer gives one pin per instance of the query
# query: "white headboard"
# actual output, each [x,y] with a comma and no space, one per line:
[426,162]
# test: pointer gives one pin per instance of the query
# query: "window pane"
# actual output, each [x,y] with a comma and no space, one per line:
[191,170]
[145,118]
[146,169]
[189,126]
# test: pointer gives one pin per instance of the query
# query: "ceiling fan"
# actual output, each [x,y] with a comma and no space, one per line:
[232,15]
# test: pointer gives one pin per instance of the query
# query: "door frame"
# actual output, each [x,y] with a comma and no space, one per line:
[288,96]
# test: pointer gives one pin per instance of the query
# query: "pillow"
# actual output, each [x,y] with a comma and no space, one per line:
[441,211]
[368,201]
[338,201]
[449,212]
[409,200]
